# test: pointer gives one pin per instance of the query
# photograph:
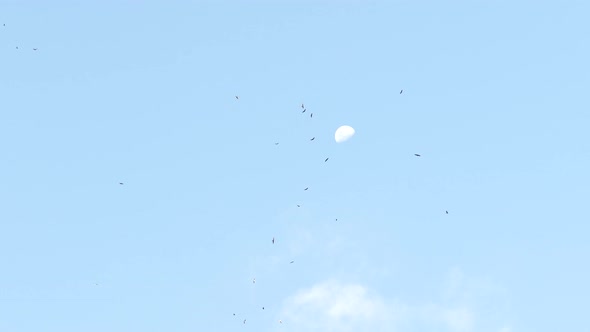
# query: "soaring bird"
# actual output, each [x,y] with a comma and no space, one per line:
[237,97]
[298,205]
[291,262]
[326,159]
[311,115]
[34,49]
[254,280]
[312,138]
[417,155]
[305,109]
[302,106]
[401,91]
[306,188]
[273,240]
[244,321]
[277,143]
[121,183]
[447,212]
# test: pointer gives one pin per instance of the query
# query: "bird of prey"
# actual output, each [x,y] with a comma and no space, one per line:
[336,219]
[298,205]
[305,109]
[121,183]
[302,106]
[312,138]
[326,159]
[401,91]
[262,308]
[234,314]
[306,188]
[447,212]
[291,262]
[273,240]
[277,143]
[237,97]
[17,47]
[34,49]
[244,321]
[417,155]
[311,115]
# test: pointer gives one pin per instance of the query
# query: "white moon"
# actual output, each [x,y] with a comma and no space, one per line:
[343,134]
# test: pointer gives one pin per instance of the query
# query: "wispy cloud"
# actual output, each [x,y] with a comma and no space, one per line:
[336,306]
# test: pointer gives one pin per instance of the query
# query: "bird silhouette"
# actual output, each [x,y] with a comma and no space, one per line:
[326,159]
[305,109]
[311,115]
[417,155]
[302,106]
[273,240]
[237,97]
[121,183]
[312,138]
[401,92]
[447,212]
[34,49]
[277,143]
[306,188]
[291,262]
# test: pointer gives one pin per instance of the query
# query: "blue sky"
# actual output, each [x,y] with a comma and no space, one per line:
[142,92]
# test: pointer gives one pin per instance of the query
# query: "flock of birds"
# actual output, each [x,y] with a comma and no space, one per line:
[34,48]
[273,240]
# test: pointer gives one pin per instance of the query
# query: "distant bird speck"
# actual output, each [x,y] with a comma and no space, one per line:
[244,321]
[262,308]
[291,262]
[336,219]
[34,49]
[298,205]
[304,110]
[306,188]
[326,159]
[312,138]
[401,92]
[277,143]
[280,321]
[234,314]
[447,212]
[302,106]
[237,97]
[273,240]
[121,183]
[417,155]
[311,115]
[254,280]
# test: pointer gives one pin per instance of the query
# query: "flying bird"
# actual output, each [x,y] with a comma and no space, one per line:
[326,159]
[305,109]
[447,212]
[262,308]
[298,205]
[34,49]
[244,321]
[306,188]
[291,262]
[417,155]
[254,280]
[273,240]
[302,106]
[280,321]
[234,314]
[277,143]
[237,97]
[401,91]
[312,138]
[336,219]
[121,183]
[311,115]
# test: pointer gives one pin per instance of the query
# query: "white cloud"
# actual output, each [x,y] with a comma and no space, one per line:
[337,306]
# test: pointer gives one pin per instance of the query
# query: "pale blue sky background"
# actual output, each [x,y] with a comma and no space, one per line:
[142,92]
